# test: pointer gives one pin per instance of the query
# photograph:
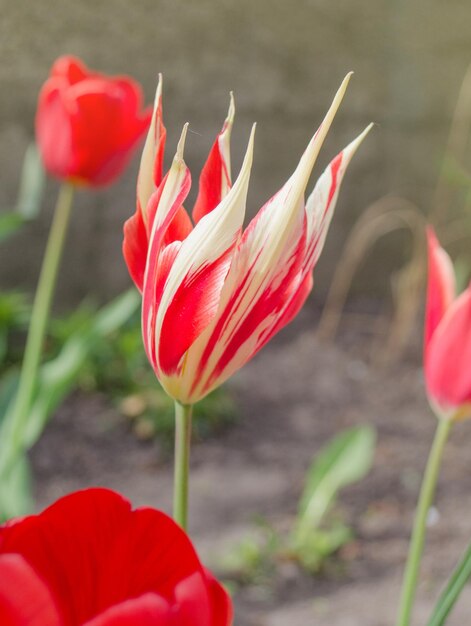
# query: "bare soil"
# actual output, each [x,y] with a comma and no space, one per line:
[291,399]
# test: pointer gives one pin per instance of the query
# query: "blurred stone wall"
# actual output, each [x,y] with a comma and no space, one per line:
[284,61]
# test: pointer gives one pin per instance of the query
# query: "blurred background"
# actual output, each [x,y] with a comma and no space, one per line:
[257,437]
[283,61]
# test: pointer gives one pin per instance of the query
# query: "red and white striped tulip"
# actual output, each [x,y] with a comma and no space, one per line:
[214,293]
[447,352]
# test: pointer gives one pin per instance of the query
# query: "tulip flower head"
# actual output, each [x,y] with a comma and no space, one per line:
[88,124]
[89,560]
[214,293]
[447,345]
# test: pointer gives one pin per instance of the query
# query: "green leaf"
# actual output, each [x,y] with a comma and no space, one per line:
[32,183]
[58,377]
[346,459]
[452,591]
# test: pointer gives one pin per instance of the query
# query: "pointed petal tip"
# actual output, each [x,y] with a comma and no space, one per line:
[341,92]
[363,134]
[248,158]
[231,111]
[181,143]
[252,136]
[431,234]
[158,91]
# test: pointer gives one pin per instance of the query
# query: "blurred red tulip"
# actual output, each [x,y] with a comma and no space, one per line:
[447,351]
[89,560]
[213,293]
[88,124]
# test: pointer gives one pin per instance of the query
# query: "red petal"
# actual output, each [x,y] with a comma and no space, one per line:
[54,131]
[210,183]
[70,68]
[104,132]
[148,610]
[192,308]
[221,603]
[180,227]
[135,246]
[24,598]
[441,285]
[94,552]
[448,356]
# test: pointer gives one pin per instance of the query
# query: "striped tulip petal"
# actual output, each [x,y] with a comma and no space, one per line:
[266,285]
[192,288]
[151,167]
[212,294]
[168,200]
[137,227]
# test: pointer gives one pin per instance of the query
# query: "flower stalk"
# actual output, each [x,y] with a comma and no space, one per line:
[427,493]
[39,318]
[183,418]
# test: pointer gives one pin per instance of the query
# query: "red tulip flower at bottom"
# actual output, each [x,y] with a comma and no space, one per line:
[447,337]
[90,560]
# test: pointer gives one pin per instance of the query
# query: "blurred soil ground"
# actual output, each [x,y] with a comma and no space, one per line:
[291,399]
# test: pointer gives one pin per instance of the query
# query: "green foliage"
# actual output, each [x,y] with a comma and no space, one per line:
[253,560]
[57,377]
[452,591]
[30,194]
[14,318]
[345,460]
[316,534]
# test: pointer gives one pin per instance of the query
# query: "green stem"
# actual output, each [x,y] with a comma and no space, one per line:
[39,318]
[427,493]
[183,415]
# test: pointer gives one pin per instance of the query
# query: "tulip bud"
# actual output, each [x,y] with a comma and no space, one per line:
[88,124]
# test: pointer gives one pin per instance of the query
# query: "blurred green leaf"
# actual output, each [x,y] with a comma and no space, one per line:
[346,459]
[30,194]
[319,545]
[32,183]
[455,174]
[56,379]
[452,591]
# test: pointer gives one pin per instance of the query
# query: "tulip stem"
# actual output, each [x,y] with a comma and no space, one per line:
[427,493]
[37,328]
[183,414]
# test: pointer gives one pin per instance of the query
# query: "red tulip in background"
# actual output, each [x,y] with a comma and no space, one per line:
[88,124]
[213,293]
[89,560]
[447,337]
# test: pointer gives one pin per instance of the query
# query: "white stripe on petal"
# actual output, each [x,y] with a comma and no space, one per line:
[321,203]
[145,181]
[212,236]
[225,147]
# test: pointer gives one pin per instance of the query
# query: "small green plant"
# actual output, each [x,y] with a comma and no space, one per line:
[318,531]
